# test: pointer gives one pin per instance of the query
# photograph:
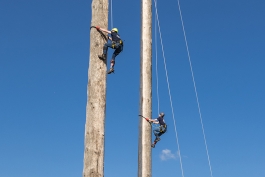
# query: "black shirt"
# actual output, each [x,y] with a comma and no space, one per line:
[161,120]
[115,36]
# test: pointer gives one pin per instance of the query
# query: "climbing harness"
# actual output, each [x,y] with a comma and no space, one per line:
[117,44]
[101,33]
[163,128]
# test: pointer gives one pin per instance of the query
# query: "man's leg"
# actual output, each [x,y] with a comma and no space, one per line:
[105,50]
[112,61]
[115,53]
[157,132]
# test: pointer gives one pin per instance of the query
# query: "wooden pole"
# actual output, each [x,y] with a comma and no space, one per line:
[96,92]
[145,136]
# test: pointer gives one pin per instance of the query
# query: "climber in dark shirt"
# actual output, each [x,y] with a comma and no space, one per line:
[116,43]
[158,131]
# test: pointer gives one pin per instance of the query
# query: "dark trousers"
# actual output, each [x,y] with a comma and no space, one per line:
[158,131]
[117,46]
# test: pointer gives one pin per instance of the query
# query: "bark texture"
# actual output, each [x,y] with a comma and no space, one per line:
[96,92]
[145,136]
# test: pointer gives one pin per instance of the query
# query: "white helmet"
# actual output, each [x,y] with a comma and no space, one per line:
[161,114]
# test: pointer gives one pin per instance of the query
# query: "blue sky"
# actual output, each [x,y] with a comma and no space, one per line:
[44,50]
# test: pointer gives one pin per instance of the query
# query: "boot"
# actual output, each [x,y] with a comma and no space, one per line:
[153,145]
[102,57]
[111,71]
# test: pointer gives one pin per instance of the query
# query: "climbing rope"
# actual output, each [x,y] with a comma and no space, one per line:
[171,104]
[157,91]
[194,84]
[111,18]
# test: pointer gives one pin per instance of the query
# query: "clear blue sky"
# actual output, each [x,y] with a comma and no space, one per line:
[44,50]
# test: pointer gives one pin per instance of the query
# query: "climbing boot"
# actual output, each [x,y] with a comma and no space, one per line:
[111,71]
[102,57]
[153,145]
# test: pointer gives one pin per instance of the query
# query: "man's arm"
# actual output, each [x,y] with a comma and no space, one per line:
[104,30]
[154,121]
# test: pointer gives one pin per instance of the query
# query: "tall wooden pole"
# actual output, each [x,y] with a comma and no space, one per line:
[145,136]
[96,92]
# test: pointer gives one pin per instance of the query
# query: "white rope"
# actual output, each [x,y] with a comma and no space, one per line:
[157,91]
[169,91]
[111,18]
[194,84]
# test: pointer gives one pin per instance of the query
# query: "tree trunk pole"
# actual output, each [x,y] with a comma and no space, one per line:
[145,136]
[96,92]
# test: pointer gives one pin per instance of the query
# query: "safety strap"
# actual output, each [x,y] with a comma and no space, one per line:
[101,33]
[146,119]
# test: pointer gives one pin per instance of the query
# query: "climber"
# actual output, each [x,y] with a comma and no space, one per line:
[158,131]
[116,43]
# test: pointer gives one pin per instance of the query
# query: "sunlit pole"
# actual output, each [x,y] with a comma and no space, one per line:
[96,96]
[145,138]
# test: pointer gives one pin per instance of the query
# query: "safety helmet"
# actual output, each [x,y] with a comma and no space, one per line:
[161,114]
[115,29]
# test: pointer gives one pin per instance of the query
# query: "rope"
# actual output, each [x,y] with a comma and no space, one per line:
[111,18]
[194,84]
[157,91]
[171,104]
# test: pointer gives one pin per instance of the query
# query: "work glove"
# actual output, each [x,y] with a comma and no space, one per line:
[97,27]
